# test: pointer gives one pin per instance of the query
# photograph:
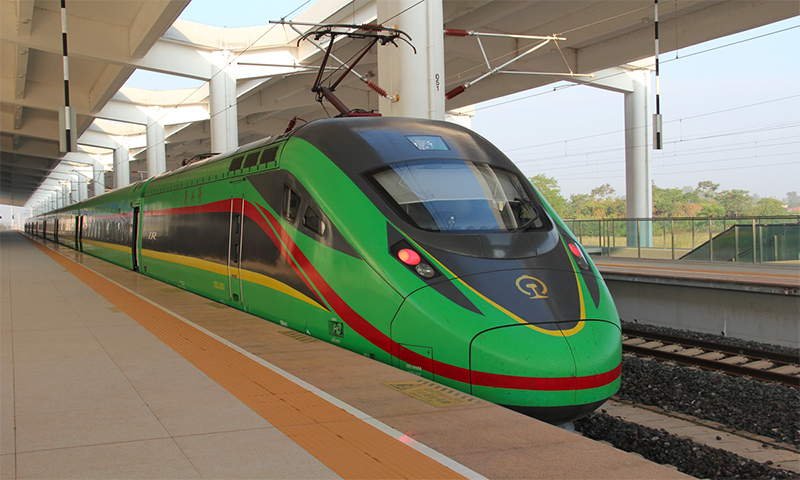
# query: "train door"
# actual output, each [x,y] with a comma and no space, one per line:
[135,239]
[81,224]
[78,233]
[235,243]
[55,231]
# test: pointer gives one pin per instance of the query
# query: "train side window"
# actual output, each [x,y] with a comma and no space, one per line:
[269,156]
[250,160]
[313,222]
[291,203]
[236,164]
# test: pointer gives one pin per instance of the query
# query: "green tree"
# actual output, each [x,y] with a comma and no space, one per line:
[601,203]
[712,209]
[551,191]
[666,201]
[768,207]
[736,203]
[675,202]
[792,199]
[603,192]
[580,206]
[707,189]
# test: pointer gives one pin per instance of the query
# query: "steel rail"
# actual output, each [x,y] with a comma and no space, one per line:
[707,364]
[718,347]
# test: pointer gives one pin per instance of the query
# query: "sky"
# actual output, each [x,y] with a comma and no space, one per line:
[730,107]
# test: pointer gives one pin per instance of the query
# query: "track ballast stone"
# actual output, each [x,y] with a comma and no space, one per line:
[659,446]
[767,409]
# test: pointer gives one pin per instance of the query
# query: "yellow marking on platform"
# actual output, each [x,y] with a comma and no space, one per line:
[433,393]
[300,337]
[344,443]
[219,269]
[215,304]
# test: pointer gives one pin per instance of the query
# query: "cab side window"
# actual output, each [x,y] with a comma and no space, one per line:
[291,203]
[313,222]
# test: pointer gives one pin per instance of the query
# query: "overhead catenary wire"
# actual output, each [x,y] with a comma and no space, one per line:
[582,154]
[580,158]
[585,26]
[614,132]
[744,167]
[560,34]
[684,56]
[543,40]
[721,134]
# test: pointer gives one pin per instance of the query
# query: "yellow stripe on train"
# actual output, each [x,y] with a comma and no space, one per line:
[219,269]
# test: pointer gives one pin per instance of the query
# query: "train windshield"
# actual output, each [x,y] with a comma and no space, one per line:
[458,196]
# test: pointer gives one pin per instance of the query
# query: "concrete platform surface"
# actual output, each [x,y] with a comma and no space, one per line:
[101,381]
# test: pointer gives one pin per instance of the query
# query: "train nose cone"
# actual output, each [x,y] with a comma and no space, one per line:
[552,377]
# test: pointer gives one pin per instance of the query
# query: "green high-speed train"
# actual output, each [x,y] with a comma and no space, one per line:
[414,242]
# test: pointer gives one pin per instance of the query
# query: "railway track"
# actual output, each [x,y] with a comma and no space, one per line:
[758,364]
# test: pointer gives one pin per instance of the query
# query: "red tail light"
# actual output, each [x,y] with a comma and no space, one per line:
[578,254]
[408,256]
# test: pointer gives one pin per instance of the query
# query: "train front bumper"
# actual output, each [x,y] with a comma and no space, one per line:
[553,377]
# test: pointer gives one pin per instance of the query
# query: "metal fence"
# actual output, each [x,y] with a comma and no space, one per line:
[741,239]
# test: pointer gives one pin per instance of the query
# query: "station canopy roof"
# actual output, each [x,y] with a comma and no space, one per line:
[108,40]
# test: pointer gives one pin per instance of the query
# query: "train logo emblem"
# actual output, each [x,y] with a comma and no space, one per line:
[532,286]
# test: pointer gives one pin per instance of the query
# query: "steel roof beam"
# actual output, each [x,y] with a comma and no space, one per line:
[24,16]
[115,48]
[696,27]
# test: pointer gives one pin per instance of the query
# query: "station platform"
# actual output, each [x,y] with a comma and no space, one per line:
[759,302]
[764,277]
[110,374]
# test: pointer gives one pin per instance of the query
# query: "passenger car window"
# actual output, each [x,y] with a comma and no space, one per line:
[291,203]
[313,222]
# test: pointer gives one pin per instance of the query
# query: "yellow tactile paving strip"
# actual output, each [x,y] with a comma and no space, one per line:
[345,444]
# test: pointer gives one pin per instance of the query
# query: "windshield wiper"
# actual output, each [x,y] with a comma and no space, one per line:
[528,203]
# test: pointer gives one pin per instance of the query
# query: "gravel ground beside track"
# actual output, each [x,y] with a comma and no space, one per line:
[661,447]
[770,410]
